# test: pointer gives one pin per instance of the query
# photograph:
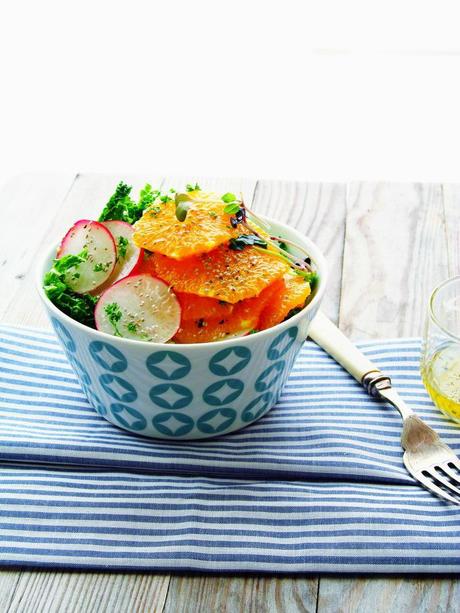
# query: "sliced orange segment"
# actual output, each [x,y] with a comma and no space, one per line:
[194,307]
[206,227]
[224,273]
[244,317]
[294,295]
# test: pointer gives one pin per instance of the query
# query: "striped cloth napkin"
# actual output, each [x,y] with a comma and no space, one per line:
[317,485]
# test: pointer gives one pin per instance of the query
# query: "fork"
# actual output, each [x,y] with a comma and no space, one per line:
[430,461]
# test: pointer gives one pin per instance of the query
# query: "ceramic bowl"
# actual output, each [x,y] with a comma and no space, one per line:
[188,391]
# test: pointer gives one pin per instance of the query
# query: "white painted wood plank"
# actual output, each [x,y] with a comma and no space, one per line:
[395,253]
[241,594]
[389,595]
[451,193]
[28,205]
[67,592]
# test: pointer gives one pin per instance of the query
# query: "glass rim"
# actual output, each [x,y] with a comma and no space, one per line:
[433,317]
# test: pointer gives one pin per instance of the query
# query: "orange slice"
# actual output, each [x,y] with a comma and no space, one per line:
[194,307]
[205,227]
[224,273]
[294,295]
[243,318]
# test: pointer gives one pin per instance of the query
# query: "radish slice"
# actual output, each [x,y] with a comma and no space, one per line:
[94,240]
[139,307]
[128,255]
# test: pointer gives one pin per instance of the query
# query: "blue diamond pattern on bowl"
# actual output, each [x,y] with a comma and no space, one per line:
[128,417]
[81,371]
[269,376]
[173,424]
[223,392]
[229,361]
[168,365]
[282,343]
[108,356]
[257,407]
[216,421]
[118,388]
[171,396]
[94,400]
[64,335]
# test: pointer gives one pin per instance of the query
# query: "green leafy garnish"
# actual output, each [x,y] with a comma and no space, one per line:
[313,280]
[77,306]
[123,208]
[282,245]
[311,277]
[247,240]
[114,315]
[147,196]
[232,208]
[213,214]
[193,188]
[122,246]
[228,197]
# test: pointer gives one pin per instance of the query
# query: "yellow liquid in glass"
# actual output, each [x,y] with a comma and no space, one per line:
[441,376]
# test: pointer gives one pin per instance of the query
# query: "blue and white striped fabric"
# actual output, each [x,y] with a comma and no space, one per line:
[316,485]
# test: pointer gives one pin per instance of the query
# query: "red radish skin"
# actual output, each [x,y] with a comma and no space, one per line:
[96,239]
[134,255]
[147,309]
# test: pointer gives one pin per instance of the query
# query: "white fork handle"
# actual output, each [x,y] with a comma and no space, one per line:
[337,345]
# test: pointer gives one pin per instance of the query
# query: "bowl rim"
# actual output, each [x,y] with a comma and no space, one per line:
[315,254]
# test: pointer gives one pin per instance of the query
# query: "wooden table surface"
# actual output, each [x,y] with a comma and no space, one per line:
[387,246]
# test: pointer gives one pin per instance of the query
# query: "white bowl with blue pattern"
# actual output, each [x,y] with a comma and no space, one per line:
[188,391]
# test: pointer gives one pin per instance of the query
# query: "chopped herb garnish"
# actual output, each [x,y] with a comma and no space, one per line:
[101,267]
[114,315]
[213,214]
[155,209]
[165,198]
[132,327]
[253,331]
[122,246]
[77,306]
[193,188]
[247,240]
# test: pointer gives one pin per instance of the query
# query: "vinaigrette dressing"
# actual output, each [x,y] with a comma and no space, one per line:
[441,376]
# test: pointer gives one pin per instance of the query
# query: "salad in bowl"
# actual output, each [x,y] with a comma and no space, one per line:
[181,312]
[182,267]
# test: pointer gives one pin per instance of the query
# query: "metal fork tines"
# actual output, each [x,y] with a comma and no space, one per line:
[430,461]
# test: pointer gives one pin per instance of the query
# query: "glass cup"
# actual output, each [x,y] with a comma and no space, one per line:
[440,363]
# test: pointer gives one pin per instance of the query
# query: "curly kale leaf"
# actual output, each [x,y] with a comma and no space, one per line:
[122,207]
[77,306]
